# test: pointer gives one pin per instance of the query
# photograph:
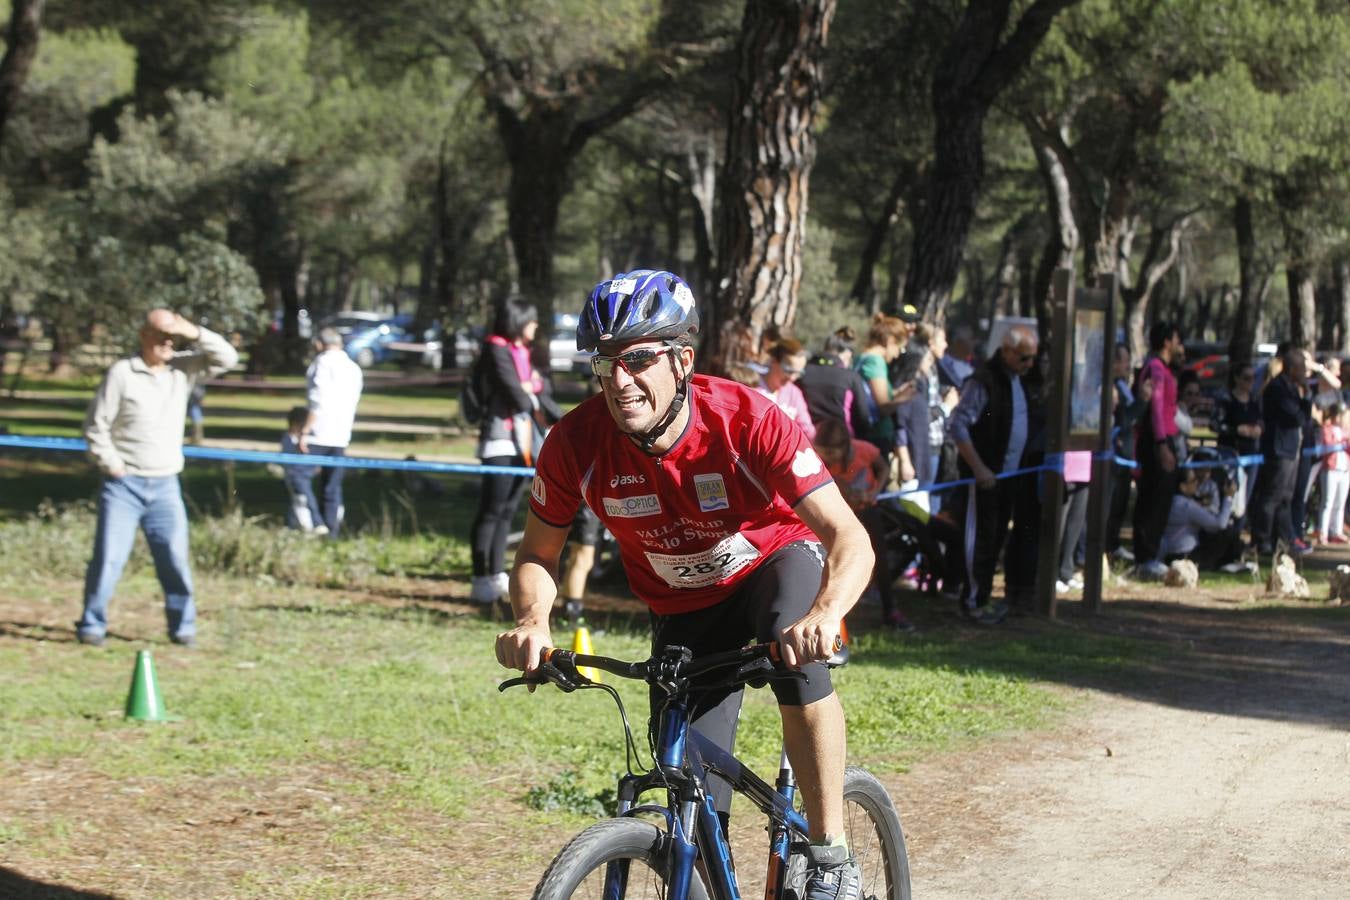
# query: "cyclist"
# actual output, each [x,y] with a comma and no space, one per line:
[728,523]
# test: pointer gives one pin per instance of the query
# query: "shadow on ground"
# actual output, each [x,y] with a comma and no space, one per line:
[14,886]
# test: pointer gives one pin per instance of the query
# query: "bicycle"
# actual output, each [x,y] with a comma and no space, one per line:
[684,852]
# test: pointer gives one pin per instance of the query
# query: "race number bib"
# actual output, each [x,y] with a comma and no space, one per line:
[697,570]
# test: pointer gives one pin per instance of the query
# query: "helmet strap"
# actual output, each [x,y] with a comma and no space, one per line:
[647,439]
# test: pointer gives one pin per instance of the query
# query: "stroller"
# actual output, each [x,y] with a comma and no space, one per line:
[915,539]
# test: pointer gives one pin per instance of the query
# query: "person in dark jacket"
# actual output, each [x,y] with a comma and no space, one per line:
[1239,424]
[1129,408]
[833,390]
[912,422]
[1285,408]
[511,433]
[991,427]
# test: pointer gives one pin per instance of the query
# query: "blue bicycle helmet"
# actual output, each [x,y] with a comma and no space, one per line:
[645,304]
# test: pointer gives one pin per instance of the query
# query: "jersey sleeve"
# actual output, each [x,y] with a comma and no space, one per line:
[782,458]
[555,493]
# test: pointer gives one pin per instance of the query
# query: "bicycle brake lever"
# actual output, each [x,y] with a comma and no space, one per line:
[756,672]
[517,682]
[566,677]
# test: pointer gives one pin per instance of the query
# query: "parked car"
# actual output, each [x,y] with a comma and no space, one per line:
[370,344]
[354,320]
[563,354]
[1209,361]
[468,341]
[423,349]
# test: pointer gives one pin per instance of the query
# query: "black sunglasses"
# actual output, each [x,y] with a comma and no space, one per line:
[633,362]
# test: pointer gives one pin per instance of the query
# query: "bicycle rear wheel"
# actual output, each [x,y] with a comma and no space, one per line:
[638,848]
[875,837]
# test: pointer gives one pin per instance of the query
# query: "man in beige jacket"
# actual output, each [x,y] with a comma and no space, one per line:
[135,433]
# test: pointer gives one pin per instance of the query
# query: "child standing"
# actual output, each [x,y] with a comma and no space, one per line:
[303,512]
[1335,477]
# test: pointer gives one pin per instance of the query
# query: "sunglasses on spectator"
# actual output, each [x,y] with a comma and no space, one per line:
[633,362]
[791,370]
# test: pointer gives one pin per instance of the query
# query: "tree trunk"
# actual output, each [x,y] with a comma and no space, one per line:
[770,149]
[21,46]
[1343,302]
[1164,246]
[864,284]
[1063,241]
[1292,197]
[703,196]
[447,250]
[975,67]
[1302,304]
[1026,279]
[949,207]
[536,149]
[1247,315]
[1329,313]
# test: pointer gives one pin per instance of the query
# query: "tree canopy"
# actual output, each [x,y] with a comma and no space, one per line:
[245,160]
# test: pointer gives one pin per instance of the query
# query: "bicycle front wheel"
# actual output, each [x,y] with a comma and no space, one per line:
[636,849]
[875,837]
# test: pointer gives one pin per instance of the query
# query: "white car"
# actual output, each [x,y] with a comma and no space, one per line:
[563,354]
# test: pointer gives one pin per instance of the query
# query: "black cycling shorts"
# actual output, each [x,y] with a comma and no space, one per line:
[772,597]
[585,527]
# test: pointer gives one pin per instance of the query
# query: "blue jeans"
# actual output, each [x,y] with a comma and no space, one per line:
[930,477]
[303,511]
[330,489]
[154,505]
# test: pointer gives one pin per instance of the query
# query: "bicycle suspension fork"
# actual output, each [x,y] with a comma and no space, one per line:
[780,837]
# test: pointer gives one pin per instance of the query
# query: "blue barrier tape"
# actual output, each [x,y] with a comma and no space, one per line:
[939,486]
[1054,461]
[285,459]
[1254,459]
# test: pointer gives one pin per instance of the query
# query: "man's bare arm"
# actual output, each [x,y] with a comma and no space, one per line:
[534,587]
[848,568]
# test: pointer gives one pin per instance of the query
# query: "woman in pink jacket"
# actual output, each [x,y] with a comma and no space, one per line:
[787,361]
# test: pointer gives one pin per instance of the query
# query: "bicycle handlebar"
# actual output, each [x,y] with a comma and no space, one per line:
[672,670]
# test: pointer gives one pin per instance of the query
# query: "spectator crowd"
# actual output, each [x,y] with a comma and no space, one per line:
[933,444]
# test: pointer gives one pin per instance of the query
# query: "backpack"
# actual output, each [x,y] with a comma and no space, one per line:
[473,395]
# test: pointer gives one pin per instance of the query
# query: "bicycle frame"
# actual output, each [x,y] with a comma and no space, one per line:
[691,817]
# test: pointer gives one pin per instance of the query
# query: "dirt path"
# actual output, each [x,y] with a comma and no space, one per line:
[1226,775]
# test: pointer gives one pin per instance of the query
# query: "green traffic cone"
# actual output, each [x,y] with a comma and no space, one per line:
[143,703]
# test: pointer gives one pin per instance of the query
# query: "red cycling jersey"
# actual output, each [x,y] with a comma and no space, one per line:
[693,522]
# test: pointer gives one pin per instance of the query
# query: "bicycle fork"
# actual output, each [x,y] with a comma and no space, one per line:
[780,838]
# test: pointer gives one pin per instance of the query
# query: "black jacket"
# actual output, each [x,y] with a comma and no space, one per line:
[1284,413]
[827,387]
